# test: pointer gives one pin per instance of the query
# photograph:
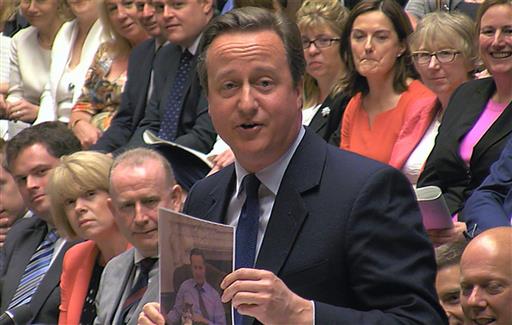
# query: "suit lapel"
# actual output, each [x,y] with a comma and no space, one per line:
[290,210]
[50,281]
[499,129]
[29,241]
[146,71]
[125,268]
[220,195]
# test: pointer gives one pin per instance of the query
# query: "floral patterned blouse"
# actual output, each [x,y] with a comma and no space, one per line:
[101,97]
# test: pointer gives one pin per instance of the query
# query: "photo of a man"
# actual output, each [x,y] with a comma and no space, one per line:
[197,302]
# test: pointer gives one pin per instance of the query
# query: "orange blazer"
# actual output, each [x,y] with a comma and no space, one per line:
[74,280]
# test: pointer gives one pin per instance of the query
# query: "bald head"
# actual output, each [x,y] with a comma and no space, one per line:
[486,277]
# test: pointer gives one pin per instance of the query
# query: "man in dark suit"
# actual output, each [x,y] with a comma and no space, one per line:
[30,157]
[490,205]
[182,25]
[138,86]
[334,238]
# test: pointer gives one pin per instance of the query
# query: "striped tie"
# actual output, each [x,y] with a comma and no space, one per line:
[138,289]
[35,271]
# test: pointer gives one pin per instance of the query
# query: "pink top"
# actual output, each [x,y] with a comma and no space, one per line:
[490,114]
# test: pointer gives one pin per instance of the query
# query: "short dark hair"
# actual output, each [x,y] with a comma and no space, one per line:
[450,254]
[58,139]
[403,66]
[251,19]
[197,252]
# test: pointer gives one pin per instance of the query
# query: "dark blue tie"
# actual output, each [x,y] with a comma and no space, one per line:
[169,123]
[247,229]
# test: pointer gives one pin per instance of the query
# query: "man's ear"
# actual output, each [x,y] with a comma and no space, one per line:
[207,6]
[299,89]
[177,198]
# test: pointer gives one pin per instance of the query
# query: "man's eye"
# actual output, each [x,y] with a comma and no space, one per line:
[42,172]
[265,83]
[228,85]
[452,299]
[494,288]
[159,8]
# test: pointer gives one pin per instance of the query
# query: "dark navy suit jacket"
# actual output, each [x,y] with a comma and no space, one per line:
[195,129]
[490,205]
[344,232]
[21,243]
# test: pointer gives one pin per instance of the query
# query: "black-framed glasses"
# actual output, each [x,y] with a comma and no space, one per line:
[443,56]
[319,42]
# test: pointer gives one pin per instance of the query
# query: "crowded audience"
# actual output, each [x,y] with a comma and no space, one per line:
[104,83]
[477,120]
[324,116]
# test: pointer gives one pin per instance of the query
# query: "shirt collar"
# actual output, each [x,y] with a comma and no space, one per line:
[193,48]
[138,256]
[270,176]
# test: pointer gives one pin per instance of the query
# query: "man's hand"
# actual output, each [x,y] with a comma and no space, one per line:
[262,295]
[22,110]
[449,235]
[150,315]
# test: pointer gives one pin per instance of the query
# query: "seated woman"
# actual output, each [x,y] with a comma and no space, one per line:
[79,200]
[320,24]
[478,118]
[30,62]
[389,111]
[445,57]
[72,53]
[106,77]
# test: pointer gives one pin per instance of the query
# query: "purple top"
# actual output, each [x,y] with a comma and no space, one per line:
[490,114]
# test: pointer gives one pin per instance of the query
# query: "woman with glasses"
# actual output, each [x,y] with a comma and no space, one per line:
[320,24]
[444,56]
[389,111]
[478,118]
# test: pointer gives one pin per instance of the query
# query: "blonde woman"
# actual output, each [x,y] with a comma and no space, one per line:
[73,52]
[101,94]
[321,23]
[79,200]
[30,59]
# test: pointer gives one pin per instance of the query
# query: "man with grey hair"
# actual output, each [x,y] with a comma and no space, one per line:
[323,236]
[141,181]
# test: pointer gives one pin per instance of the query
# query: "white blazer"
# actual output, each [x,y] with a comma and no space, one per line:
[61,51]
